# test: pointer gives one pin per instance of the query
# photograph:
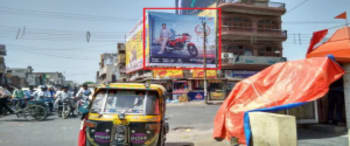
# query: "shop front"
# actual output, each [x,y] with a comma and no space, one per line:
[216,90]
[180,90]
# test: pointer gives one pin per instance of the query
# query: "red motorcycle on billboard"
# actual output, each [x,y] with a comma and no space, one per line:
[182,42]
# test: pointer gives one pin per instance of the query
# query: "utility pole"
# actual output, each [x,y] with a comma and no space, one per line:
[205,61]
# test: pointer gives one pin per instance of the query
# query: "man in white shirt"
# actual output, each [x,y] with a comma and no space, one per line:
[84,93]
[164,37]
[61,95]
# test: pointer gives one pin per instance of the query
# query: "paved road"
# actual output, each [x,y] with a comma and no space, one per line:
[190,124]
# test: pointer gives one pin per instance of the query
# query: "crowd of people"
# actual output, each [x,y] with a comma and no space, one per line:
[50,94]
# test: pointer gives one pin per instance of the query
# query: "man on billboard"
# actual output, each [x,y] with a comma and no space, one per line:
[163,37]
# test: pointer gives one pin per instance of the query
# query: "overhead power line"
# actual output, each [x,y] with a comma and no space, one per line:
[64,15]
[297,6]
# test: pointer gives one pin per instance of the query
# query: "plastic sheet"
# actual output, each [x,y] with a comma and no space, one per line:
[289,83]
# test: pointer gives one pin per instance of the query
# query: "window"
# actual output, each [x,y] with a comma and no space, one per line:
[268,25]
[269,51]
[124,101]
[238,23]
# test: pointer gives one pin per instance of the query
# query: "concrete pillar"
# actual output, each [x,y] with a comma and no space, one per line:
[270,129]
[347,96]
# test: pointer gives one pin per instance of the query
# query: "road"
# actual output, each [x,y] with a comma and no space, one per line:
[190,124]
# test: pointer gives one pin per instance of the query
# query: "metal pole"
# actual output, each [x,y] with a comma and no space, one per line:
[205,62]
[347,96]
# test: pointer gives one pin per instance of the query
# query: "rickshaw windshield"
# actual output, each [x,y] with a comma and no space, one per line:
[126,101]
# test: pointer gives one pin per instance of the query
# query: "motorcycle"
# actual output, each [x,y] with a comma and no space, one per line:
[66,108]
[81,103]
[27,107]
[182,42]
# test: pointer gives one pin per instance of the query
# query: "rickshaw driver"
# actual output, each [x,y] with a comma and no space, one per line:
[139,100]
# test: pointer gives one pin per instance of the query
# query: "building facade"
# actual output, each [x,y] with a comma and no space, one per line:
[120,63]
[2,65]
[252,36]
[107,68]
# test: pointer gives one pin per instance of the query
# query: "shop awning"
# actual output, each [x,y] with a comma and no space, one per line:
[280,86]
[338,46]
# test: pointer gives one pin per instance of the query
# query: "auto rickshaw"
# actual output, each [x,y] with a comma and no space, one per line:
[127,114]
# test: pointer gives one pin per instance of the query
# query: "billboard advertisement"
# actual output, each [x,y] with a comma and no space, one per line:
[133,49]
[200,73]
[167,74]
[177,41]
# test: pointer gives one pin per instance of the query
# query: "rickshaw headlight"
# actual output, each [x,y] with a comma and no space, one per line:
[120,134]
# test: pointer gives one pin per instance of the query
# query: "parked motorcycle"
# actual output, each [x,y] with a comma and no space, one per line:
[182,42]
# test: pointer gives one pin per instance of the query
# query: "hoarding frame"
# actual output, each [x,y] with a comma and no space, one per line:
[218,67]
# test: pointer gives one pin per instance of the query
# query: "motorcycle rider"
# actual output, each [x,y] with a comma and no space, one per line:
[29,94]
[84,93]
[163,37]
[4,95]
[44,95]
[62,95]
[18,95]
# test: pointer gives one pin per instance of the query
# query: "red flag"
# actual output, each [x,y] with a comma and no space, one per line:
[316,38]
[341,16]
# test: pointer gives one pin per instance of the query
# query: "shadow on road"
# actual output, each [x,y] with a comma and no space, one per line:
[27,120]
[320,131]
[179,144]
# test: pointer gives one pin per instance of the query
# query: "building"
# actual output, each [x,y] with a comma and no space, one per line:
[18,76]
[252,36]
[49,78]
[107,70]
[2,65]
[251,39]
[120,63]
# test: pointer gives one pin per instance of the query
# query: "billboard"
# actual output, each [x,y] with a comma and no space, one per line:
[177,41]
[134,49]
[167,74]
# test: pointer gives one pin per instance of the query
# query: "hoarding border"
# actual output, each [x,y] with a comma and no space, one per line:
[218,67]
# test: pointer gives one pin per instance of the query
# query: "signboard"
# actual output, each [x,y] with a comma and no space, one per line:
[192,4]
[167,74]
[239,73]
[134,49]
[177,41]
[196,95]
[200,74]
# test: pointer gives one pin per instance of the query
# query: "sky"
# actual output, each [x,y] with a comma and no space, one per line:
[50,35]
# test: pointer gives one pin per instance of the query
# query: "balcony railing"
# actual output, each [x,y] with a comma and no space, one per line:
[255,3]
[279,32]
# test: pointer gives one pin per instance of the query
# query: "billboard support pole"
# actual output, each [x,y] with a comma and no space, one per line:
[205,62]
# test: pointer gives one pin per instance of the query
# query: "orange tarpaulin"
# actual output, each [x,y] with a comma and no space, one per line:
[338,46]
[280,84]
